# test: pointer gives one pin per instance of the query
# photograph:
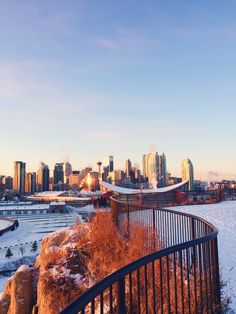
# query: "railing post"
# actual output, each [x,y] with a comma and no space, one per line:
[114,210]
[194,263]
[121,296]
[217,276]
[153,219]
[154,228]
[128,231]
[193,229]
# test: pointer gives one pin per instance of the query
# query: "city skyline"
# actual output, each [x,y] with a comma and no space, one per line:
[33,167]
[84,80]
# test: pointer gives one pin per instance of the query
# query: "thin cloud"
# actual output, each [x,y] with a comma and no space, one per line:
[105,43]
[104,135]
[130,38]
[20,87]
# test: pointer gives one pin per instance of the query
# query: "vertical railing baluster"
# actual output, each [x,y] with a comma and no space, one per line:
[101,303]
[130,293]
[161,287]
[146,288]
[121,296]
[92,307]
[153,286]
[168,283]
[182,280]
[175,283]
[111,299]
[138,282]
[218,298]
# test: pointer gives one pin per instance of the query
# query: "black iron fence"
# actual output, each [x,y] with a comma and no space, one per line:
[12,227]
[181,277]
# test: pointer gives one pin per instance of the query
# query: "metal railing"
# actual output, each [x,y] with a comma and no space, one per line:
[12,227]
[181,277]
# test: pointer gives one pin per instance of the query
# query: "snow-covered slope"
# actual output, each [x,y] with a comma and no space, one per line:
[223,216]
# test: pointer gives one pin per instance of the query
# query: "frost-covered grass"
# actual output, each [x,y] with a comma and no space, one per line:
[223,216]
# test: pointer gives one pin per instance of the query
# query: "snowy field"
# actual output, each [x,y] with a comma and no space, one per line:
[223,216]
[31,228]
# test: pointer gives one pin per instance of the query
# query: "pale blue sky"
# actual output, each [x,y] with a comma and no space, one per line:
[82,79]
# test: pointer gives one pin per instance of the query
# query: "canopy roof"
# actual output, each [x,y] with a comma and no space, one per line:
[120,190]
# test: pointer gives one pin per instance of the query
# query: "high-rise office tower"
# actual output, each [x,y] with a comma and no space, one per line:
[58,174]
[43,177]
[19,176]
[150,168]
[128,167]
[74,179]
[67,168]
[162,180]
[137,175]
[2,184]
[154,169]
[108,163]
[30,182]
[8,183]
[187,173]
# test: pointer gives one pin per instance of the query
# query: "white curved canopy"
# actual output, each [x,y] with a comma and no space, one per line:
[120,190]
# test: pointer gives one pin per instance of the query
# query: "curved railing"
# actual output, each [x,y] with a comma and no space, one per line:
[14,224]
[181,276]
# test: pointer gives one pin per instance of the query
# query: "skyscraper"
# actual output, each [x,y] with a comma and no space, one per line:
[187,173]
[162,180]
[150,168]
[43,177]
[8,183]
[74,180]
[19,176]
[67,168]
[154,169]
[108,163]
[58,174]
[30,182]
[128,167]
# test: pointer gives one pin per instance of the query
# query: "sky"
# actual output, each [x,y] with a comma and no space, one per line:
[83,79]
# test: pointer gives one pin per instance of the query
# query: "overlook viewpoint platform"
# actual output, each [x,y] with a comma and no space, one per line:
[181,277]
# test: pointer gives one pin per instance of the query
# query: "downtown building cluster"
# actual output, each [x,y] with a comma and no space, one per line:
[62,178]
[154,174]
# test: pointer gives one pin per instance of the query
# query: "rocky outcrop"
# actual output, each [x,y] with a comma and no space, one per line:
[62,264]
[57,277]
[19,295]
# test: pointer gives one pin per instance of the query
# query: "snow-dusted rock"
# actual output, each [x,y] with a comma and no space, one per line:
[57,277]
[19,294]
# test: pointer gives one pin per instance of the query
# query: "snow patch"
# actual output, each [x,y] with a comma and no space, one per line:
[23,268]
[1,296]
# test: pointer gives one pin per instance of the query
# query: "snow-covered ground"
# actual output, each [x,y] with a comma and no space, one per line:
[223,216]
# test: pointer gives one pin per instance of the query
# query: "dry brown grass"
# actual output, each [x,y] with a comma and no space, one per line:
[109,250]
